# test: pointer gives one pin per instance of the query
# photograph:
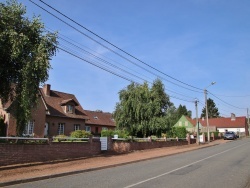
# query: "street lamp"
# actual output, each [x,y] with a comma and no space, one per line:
[197,123]
[205,93]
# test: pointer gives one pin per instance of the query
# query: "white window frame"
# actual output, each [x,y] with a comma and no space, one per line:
[104,128]
[87,128]
[76,127]
[29,129]
[60,130]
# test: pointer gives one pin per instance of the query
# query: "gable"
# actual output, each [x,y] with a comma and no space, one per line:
[56,102]
[184,121]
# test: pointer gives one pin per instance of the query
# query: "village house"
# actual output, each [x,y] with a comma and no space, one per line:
[57,113]
[237,124]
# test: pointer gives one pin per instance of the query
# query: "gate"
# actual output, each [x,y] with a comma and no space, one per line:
[104,143]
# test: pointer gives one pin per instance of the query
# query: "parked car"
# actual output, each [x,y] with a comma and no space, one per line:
[230,135]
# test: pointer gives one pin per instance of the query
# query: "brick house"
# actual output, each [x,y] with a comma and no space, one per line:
[99,121]
[57,113]
[64,113]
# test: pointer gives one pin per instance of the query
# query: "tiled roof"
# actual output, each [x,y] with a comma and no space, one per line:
[192,121]
[239,122]
[55,108]
[100,118]
[222,122]
[64,102]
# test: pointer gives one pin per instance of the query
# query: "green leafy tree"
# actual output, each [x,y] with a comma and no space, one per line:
[25,51]
[142,109]
[212,110]
[182,110]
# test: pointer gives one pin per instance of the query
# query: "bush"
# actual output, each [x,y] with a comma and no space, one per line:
[111,133]
[216,133]
[179,132]
[80,134]
[107,133]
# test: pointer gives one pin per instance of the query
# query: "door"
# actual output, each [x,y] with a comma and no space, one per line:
[46,129]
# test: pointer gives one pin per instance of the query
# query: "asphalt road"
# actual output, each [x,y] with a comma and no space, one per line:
[226,165]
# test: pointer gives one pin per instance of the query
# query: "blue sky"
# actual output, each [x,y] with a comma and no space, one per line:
[193,41]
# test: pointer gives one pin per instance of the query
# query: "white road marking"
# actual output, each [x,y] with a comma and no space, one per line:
[166,173]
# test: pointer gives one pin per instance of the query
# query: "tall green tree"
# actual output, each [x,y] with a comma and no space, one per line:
[212,110]
[25,51]
[142,109]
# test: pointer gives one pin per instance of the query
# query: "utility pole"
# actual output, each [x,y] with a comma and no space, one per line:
[208,131]
[197,122]
[205,93]
[248,122]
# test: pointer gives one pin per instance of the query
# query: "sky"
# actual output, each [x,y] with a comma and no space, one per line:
[187,44]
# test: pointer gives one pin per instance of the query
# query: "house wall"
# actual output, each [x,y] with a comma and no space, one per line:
[222,130]
[29,153]
[37,115]
[53,122]
[185,123]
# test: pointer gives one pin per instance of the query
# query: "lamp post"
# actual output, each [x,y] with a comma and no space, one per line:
[197,123]
[205,93]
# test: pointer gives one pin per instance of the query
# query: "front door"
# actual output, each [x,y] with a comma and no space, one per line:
[46,129]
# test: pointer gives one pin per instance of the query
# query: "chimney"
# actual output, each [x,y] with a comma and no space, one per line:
[46,89]
[233,118]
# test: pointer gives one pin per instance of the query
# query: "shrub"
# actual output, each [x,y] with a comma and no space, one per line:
[111,133]
[107,133]
[80,134]
[179,132]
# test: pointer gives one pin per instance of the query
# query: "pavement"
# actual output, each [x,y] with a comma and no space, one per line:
[15,174]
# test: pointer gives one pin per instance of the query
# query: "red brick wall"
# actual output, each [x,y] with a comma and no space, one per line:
[28,153]
[124,147]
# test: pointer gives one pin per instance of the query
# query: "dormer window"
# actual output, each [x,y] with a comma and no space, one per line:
[95,117]
[69,108]
[69,105]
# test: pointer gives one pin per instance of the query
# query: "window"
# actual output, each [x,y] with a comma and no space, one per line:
[88,129]
[29,128]
[180,123]
[186,123]
[95,117]
[104,128]
[76,127]
[69,108]
[60,128]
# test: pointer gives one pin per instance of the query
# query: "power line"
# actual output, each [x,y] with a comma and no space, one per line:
[226,102]
[112,45]
[117,66]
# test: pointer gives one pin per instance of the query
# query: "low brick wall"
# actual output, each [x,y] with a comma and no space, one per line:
[124,147]
[27,153]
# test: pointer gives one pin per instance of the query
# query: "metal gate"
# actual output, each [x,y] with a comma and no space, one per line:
[104,143]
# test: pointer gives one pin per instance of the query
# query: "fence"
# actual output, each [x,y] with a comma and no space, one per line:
[16,152]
